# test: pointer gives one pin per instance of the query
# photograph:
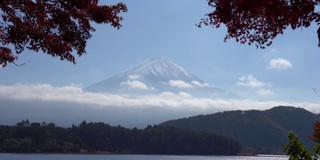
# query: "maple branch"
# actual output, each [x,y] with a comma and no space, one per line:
[318,31]
[55,27]
[259,22]
[18,64]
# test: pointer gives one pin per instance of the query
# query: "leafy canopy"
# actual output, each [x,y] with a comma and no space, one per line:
[297,151]
[260,21]
[56,27]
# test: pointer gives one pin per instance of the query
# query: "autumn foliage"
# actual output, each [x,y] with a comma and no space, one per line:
[316,132]
[315,137]
[296,150]
[260,21]
[55,27]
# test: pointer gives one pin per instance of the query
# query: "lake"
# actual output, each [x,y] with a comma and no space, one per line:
[5,156]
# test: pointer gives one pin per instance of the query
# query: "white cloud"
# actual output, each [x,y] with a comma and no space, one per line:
[264,92]
[261,88]
[199,84]
[250,81]
[134,76]
[279,63]
[134,84]
[179,84]
[183,84]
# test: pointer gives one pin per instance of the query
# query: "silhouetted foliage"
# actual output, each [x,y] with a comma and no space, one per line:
[55,27]
[259,22]
[296,150]
[97,137]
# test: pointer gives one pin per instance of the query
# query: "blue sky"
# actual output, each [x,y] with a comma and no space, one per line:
[283,73]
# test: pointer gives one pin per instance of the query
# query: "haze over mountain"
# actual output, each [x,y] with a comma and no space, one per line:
[155,76]
[149,93]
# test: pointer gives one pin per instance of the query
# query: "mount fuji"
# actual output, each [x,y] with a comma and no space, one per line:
[156,76]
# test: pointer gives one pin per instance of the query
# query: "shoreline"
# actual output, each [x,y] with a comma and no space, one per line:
[130,153]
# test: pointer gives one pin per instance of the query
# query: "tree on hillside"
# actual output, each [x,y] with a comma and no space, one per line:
[259,22]
[55,27]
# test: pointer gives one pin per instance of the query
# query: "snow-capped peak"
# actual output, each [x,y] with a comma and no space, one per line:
[156,76]
[161,69]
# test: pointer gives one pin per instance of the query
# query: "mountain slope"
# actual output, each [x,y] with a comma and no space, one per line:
[155,76]
[262,131]
[161,69]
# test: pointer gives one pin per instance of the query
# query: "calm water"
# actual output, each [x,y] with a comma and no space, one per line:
[130,157]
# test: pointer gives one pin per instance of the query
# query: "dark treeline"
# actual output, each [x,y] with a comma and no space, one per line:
[100,137]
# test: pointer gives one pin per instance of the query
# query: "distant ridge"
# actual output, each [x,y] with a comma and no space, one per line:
[261,131]
[155,76]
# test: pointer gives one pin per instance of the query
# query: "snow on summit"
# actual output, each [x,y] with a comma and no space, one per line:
[161,69]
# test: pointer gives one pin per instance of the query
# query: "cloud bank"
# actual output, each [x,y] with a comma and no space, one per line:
[160,107]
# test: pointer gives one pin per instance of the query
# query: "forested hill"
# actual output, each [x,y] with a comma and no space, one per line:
[259,131]
[100,137]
